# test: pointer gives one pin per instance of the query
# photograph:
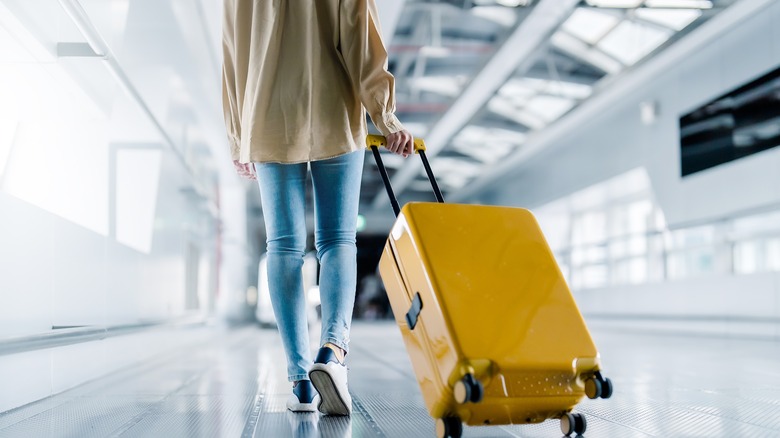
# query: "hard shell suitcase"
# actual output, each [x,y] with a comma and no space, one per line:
[492,330]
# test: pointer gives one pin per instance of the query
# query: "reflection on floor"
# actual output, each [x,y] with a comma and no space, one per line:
[234,386]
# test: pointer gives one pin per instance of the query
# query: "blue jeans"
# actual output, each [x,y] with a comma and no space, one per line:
[336,196]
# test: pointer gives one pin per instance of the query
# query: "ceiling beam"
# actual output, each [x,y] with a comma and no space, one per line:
[521,45]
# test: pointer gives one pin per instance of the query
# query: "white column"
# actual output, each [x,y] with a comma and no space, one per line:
[234,259]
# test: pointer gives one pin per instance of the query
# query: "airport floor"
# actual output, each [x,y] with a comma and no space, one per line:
[233,385]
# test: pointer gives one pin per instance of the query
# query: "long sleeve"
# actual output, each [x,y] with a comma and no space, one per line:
[232,86]
[365,57]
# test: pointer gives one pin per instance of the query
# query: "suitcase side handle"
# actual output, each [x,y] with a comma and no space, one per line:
[374,142]
[414,311]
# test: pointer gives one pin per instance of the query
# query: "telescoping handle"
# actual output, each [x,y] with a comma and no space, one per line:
[374,142]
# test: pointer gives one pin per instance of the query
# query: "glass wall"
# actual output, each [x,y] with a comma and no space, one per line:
[614,233]
[108,210]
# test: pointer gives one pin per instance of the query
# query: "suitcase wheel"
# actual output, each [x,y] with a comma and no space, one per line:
[468,389]
[593,388]
[598,387]
[606,389]
[449,427]
[573,423]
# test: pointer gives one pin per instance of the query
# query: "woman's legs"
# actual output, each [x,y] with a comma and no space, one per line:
[282,188]
[336,198]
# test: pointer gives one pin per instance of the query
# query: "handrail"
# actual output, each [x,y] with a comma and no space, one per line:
[684,317]
[78,335]
[733,238]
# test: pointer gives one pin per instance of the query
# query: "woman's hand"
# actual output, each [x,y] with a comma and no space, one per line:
[401,143]
[245,170]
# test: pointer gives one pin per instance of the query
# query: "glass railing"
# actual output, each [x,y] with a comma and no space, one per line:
[615,233]
[725,247]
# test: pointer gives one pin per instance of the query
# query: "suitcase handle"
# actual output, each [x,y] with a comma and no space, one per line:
[380,141]
[414,311]
[374,142]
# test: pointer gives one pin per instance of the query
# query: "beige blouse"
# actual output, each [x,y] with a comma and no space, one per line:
[299,75]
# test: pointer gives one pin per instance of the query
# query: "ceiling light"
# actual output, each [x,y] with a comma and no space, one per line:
[434,51]
[512,3]
[615,3]
[677,19]
[507,3]
[558,88]
[684,4]
[445,85]
[497,14]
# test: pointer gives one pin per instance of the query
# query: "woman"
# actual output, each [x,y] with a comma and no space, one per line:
[298,78]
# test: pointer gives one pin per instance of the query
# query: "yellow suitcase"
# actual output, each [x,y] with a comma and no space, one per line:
[492,330]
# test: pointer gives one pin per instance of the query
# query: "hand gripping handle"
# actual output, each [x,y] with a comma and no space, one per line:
[380,141]
[374,142]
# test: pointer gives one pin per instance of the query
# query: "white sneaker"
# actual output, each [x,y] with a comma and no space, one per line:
[304,398]
[329,376]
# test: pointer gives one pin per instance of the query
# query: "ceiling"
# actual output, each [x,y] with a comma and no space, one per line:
[476,78]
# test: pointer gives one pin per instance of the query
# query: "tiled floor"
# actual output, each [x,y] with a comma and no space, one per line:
[234,386]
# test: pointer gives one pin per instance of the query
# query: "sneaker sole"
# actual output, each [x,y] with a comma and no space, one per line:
[302,407]
[331,402]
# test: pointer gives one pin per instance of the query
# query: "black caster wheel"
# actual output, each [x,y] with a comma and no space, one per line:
[468,389]
[573,423]
[593,388]
[606,389]
[449,427]
[605,386]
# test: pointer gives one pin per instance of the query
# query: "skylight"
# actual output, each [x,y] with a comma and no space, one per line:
[579,49]
[501,106]
[454,173]
[535,103]
[611,39]
[487,144]
[676,19]
[631,41]
[549,108]
[590,25]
